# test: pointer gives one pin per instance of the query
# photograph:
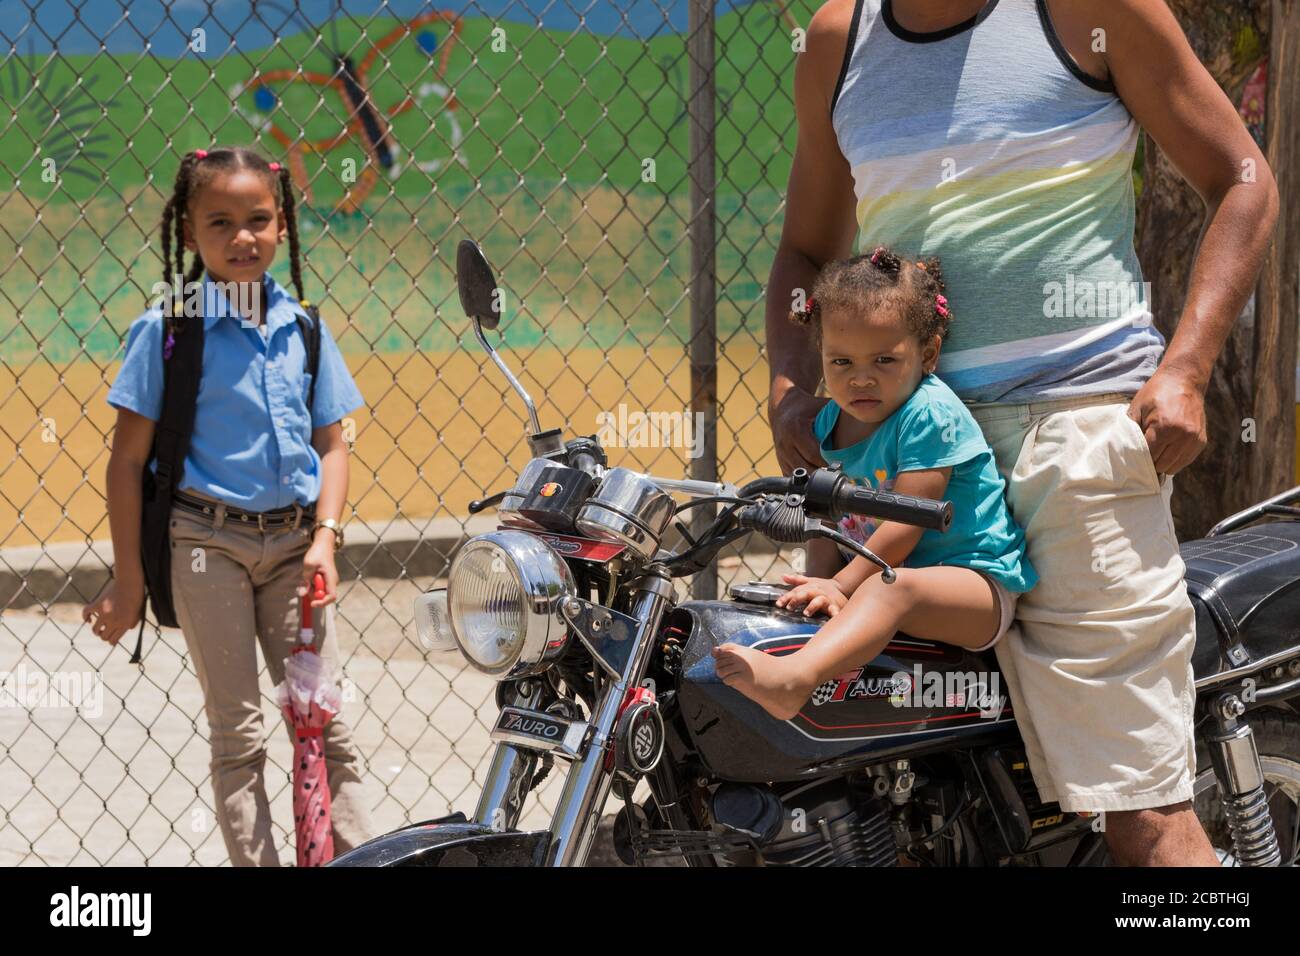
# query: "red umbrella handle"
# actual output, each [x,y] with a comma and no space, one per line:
[317,592]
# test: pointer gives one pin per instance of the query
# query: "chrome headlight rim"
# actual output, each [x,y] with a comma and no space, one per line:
[544,582]
[432,620]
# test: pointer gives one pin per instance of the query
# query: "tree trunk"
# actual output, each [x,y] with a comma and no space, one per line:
[1277,324]
[1255,375]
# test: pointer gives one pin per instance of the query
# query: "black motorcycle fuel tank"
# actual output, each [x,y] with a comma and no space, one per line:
[917,696]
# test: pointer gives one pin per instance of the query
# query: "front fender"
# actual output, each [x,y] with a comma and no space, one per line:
[450,842]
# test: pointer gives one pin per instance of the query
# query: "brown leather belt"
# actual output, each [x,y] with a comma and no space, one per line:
[275,518]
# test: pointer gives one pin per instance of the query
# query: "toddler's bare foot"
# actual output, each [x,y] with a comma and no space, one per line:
[772,682]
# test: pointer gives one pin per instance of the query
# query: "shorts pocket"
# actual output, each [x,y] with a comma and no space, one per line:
[1143,451]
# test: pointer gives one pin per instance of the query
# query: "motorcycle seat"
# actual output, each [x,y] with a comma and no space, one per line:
[1245,588]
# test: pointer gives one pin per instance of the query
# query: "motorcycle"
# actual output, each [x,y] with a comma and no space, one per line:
[913,759]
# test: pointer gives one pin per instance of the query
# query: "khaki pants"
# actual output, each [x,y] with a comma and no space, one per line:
[234,586]
[1098,662]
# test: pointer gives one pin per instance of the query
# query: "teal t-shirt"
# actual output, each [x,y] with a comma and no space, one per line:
[933,429]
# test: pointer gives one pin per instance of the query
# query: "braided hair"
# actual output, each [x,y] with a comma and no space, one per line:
[198,167]
[867,282]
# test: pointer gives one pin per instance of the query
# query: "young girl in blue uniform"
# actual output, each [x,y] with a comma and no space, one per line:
[257,510]
[895,426]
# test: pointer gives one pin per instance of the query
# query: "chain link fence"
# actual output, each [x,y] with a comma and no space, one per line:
[622,164]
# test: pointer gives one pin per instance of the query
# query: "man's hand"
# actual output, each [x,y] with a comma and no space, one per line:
[116,611]
[819,594]
[1170,409]
[792,429]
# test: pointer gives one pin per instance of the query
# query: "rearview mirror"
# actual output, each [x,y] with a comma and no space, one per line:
[476,284]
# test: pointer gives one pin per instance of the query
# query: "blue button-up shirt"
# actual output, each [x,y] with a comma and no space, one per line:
[251,445]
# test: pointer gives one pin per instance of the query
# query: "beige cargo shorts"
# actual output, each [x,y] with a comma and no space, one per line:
[1098,661]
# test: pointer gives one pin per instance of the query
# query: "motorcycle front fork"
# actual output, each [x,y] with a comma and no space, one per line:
[587,782]
[1241,784]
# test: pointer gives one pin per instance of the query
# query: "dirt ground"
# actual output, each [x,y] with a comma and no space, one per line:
[123,779]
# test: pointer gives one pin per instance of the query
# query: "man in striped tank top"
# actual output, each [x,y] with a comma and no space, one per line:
[998,135]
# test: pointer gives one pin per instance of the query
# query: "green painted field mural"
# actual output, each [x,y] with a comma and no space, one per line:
[539,148]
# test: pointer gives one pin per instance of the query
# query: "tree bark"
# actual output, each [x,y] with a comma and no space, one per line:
[1255,375]
[1277,324]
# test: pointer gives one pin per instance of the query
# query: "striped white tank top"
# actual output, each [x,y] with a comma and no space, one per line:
[987,146]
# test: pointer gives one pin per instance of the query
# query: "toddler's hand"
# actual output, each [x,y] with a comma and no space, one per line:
[819,594]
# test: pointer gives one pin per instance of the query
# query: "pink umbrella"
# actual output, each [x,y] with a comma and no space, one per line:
[310,696]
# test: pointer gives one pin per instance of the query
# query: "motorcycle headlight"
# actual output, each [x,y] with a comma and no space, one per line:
[503,597]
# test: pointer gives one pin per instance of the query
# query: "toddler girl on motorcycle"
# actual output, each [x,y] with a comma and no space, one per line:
[892,424]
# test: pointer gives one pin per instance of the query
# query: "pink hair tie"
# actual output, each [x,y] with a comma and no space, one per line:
[941,310]
[875,256]
[201,154]
[810,305]
[275,167]
[941,300]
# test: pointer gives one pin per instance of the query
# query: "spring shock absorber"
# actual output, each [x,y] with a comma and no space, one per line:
[1241,784]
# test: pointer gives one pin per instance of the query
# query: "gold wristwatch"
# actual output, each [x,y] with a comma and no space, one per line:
[334,526]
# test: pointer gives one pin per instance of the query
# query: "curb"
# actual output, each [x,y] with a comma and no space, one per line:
[71,572]
[36,576]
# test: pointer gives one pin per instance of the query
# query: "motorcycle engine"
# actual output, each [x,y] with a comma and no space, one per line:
[823,823]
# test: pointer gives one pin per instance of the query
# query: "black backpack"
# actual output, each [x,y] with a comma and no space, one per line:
[171,442]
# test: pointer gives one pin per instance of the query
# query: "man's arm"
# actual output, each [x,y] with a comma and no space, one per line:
[819,226]
[1178,103]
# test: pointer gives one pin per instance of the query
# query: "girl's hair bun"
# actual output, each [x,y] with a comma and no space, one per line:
[886,260]
[865,282]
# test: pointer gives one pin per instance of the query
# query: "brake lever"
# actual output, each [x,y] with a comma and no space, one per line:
[483,503]
[887,574]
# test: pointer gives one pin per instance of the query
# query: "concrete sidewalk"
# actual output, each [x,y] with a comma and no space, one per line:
[122,779]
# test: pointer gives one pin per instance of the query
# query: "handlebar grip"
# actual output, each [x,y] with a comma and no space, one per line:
[921,512]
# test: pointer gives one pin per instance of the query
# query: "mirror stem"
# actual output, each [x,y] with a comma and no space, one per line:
[534,426]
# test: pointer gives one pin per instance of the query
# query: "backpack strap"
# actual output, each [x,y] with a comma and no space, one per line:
[310,328]
[182,370]
[181,373]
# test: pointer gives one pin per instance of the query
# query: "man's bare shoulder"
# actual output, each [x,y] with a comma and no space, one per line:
[832,19]
[828,32]
[828,40]
[1092,31]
